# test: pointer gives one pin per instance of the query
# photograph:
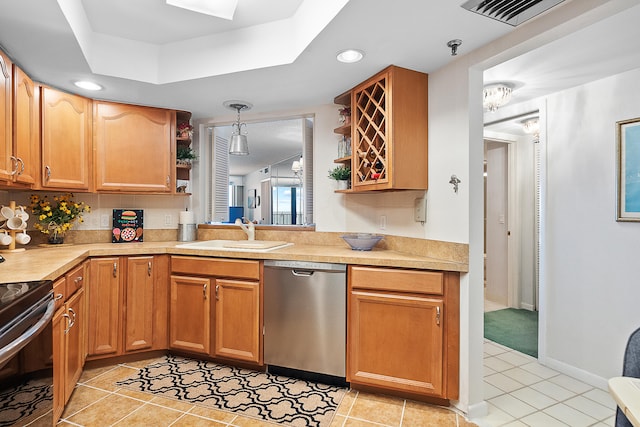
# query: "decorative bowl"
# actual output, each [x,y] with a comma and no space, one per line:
[362,241]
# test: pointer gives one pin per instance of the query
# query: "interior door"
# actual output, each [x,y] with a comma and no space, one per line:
[496,251]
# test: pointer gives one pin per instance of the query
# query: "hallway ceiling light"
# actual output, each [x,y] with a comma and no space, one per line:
[496,95]
[531,126]
[350,56]
[239,145]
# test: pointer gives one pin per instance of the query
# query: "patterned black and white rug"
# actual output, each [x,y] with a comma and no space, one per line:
[26,401]
[244,392]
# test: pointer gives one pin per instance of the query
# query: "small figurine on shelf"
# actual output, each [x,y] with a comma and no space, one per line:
[345,115]
[185,130]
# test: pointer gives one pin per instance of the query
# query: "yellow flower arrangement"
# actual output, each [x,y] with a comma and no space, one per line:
[59,217]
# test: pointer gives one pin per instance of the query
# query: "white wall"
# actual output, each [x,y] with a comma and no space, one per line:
[592,260]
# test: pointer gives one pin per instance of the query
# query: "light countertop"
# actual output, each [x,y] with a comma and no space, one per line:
[51,262]
[626,392]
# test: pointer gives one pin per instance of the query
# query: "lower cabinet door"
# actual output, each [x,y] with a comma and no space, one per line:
[190,314]
[139,296]
[59,324]
[74,342]
[237,326]
[395,341]
[104,317]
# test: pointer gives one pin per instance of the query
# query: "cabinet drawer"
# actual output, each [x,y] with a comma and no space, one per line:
[386,279]
[75,279]
[59,292]
[245,269]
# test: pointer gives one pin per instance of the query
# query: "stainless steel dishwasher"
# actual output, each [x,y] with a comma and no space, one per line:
[305,316]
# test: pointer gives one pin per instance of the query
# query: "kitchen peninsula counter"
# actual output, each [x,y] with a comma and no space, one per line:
[39,263]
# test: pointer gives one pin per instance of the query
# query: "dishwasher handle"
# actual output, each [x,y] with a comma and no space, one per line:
[302,273]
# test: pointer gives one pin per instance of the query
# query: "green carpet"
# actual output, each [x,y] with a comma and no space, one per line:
[513,328]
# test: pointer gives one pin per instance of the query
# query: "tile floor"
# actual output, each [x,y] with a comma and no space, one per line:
[97,401]
[519,392]
[522,392]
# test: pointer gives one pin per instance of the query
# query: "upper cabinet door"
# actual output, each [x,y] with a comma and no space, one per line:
[6,143]
[66,140]
[133,148]
[389,135]
[25,127]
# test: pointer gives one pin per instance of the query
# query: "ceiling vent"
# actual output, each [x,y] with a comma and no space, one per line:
[512,12]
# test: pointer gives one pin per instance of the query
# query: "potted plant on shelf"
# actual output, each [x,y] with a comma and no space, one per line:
[342,174]
[185,155]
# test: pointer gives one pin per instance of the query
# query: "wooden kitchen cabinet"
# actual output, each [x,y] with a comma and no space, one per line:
[66,145]
[25,157]
[74,342]
[68,325]
[403,331]
[59,324]
[128,299]
[231,320]
[6,121]
[124,135]
[146,297]
[237,325]
[105,300]
[190,314]
[389,131]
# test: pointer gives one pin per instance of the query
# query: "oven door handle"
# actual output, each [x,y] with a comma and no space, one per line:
[10,350]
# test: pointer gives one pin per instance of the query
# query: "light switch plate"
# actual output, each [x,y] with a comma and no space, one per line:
[420,209]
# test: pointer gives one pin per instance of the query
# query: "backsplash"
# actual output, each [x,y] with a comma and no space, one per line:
[160,212]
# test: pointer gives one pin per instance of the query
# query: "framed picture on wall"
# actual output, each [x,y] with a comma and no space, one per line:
[251,199]
[628,170]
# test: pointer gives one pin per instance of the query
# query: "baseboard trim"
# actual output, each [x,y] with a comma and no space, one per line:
[577,373]
[529,307]
[478,410]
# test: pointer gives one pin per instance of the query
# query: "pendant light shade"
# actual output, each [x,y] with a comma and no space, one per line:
[239,145]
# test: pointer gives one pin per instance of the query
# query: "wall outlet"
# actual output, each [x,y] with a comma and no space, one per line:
[383,222]
[420,209]
[104,220]
[167,220]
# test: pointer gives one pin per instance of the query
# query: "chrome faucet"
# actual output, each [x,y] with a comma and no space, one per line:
[250,229]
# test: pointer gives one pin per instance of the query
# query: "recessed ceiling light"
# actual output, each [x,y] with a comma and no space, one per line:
[84,84]
[350,55]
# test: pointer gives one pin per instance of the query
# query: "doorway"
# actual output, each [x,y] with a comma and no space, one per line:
[511,256]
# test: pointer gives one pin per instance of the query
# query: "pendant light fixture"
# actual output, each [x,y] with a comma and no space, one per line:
[238,146]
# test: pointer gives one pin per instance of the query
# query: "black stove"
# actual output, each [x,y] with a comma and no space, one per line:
[25,309]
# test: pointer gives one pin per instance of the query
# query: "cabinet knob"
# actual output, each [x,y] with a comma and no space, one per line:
[149,269]
[217,292]
[115,269]
[437,315]
[78,279]
[48,172]
[204,291]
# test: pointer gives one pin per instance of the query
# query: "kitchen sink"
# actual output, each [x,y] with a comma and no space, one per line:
[236,245]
